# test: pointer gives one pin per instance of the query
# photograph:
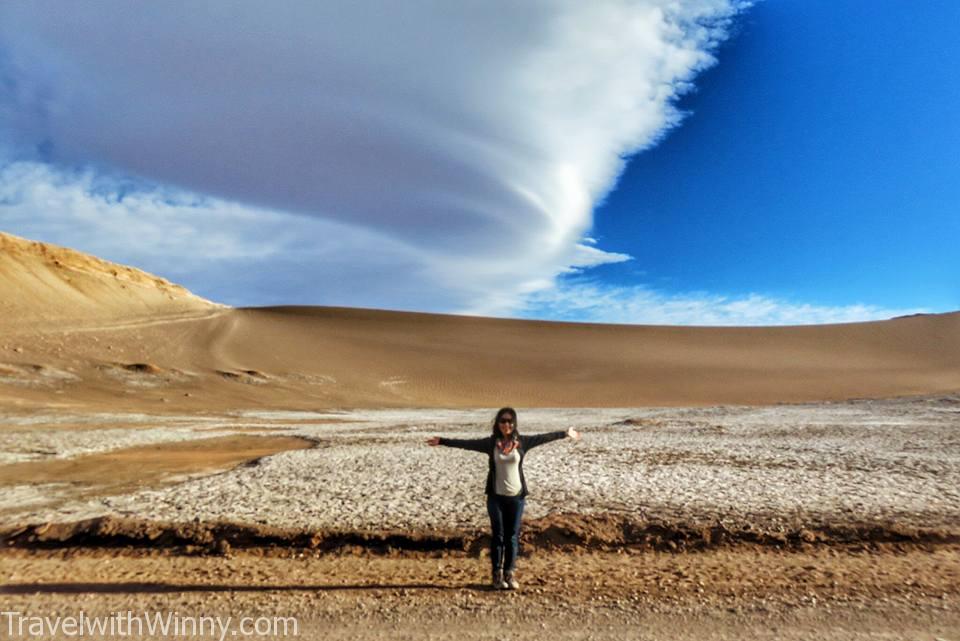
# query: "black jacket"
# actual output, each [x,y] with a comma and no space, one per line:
[489,444]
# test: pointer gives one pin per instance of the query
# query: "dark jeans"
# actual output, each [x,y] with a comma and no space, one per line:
[505,513]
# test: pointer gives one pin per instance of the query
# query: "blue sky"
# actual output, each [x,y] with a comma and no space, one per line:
[820,162]
[639,161]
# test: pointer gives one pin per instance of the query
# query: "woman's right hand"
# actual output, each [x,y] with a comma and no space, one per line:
[434,441]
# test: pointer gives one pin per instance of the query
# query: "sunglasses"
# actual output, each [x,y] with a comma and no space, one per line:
[506,420]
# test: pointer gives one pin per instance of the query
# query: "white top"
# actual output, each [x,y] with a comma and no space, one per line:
[507,472]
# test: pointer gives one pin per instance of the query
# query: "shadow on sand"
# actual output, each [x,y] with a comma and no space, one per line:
[138,587]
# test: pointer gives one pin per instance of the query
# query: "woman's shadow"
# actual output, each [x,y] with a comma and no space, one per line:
[148,587]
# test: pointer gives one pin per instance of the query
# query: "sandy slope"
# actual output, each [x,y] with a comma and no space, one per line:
[421,359]
[46,285]
[94,333]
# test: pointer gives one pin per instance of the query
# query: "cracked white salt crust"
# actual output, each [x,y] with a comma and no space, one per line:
[888,462]
[23,438]
[56,444]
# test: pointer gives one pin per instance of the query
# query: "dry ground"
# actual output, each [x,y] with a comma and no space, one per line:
[114,384]
[742,593]
[856,502]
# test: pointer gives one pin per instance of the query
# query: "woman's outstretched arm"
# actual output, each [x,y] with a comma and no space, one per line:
[533,441]
[472,444]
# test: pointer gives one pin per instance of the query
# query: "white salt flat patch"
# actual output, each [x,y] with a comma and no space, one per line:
[290,415]
[23,497]
[34,376]
[25,420]
[36,445]
[895,461]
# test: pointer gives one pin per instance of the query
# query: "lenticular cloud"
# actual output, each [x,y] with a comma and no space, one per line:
[477,135]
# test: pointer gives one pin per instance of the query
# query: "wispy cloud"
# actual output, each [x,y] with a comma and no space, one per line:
[224,251]
[433,155]
[242,255]
[586,300]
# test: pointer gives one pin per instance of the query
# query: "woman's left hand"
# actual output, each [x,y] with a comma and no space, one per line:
[572,433]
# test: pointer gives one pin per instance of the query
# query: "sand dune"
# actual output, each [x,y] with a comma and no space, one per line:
[45,284]
[122,394]
[421,359]
[145,342]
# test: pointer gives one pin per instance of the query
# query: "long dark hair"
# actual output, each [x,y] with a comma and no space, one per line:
[515,434]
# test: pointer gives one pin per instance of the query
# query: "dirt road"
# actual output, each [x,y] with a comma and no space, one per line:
[738,593]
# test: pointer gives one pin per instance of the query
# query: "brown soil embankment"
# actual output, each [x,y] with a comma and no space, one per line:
[600,532]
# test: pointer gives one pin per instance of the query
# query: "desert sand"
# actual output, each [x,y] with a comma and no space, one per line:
[81,333]
[159,451]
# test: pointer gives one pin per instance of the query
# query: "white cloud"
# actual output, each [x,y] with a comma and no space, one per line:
[588,301]
[434,155]
[243,255]
[225,251]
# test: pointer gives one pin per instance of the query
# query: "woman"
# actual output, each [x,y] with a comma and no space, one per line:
[506,486]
